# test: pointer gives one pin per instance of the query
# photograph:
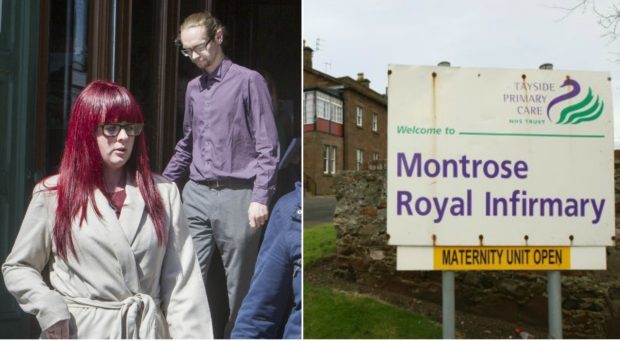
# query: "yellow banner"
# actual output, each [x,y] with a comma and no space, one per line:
[501,258]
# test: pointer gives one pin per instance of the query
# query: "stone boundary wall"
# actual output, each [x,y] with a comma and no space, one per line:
[590,299]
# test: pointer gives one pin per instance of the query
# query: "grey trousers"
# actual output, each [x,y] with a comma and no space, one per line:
[218,218]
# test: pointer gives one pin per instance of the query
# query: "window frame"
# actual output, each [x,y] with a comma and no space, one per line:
[326,159]
[333,160]
[309,107]
[359,159]
[375,122]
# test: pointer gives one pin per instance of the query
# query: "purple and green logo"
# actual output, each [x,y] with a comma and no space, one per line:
[588,109]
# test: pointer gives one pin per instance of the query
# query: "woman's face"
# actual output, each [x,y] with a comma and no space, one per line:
[115,150]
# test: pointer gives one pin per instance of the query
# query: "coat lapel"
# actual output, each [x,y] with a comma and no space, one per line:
[133,210]
[118,240]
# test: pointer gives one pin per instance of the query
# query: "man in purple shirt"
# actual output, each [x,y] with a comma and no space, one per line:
[230,148]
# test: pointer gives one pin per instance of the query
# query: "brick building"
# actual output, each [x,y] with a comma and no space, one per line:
[345,126]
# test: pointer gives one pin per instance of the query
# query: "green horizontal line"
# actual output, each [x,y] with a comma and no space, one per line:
[536,135]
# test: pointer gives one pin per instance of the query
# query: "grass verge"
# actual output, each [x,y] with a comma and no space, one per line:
[329,314]
[335,314]
[319,242]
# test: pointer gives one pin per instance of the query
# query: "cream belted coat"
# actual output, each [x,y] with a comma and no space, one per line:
[123,284]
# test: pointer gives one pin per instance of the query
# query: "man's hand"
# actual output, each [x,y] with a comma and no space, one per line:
[59,330]
[257,214]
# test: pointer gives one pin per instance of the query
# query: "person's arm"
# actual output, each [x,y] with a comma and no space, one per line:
[262,313]
[266,136]
[59,330]
[267,150]
[292,329]
[178,165]
[183,295]
[29,256]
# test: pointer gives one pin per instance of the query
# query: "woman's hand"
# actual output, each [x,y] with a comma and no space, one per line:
[59,330]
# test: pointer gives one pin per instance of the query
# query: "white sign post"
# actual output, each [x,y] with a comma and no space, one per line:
[497,169]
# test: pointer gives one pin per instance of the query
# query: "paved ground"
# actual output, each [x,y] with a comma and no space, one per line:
[318,210]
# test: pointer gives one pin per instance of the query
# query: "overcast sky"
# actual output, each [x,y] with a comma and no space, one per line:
[367,35]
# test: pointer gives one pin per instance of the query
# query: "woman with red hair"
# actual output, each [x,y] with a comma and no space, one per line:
[121,259]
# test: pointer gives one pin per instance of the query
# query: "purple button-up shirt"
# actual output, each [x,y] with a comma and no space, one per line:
[228,131]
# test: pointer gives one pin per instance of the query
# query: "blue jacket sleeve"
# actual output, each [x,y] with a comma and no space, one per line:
[265,310]
[292,330]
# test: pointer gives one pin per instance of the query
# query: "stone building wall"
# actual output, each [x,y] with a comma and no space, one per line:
[590,299]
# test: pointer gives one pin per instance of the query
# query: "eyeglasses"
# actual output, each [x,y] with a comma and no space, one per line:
[113,129]
[198,49]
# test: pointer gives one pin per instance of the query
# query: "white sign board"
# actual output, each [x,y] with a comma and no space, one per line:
[499,157]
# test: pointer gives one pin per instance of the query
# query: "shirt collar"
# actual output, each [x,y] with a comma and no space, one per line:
[217,75]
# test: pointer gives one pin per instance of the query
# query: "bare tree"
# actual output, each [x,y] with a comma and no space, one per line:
[608,17]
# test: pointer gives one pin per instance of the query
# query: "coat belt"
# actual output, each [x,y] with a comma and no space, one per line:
[138,316]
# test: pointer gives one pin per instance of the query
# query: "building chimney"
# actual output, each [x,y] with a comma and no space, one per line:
[307,56]
[363,81]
